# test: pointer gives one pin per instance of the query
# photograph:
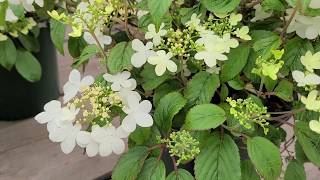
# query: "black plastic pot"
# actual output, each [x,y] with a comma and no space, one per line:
[20,98]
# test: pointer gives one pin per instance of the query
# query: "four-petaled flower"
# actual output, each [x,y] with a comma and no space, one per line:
[143,52]
[120,80]
[311,102]
[75,84]
[310,61]
[102,39]
[162,61]
[154,35]
[305,79]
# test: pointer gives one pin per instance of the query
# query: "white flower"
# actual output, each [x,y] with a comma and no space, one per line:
[243,33]
[155,36]
[3,37]
[75,84]
[194,21]
[120,80]
[143,52]
[315,125]
[102,140]
[52,111]
[10,16]
[103,39]
[260,14]
[162,62]
[235,18]
[137,113]
[308,79]
[314,4]
[310,61]
[141,13]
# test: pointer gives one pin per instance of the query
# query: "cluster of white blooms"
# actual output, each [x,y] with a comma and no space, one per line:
[209,46]
[308,78]
[27,4]
[305,26]
[260,14]
[65,125]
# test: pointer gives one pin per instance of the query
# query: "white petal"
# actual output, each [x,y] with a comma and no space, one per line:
[118,146]
[138,59]
[160,69]
[75,76]
[145,106]
[57,134]
[88,38]
[10,16]
[92,149]
[87,81]
[53,106]
[171,66]
[43,117]
[98,134]
[137,45]
[128,124]
[83,138]
[143,120]
[121,133]
[116,86]
[133,102]
[68,144]
[109,77]
[105,149]
[312,32]
[39,2]
[106,40]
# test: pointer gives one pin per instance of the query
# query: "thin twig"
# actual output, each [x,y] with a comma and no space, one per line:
[284,30]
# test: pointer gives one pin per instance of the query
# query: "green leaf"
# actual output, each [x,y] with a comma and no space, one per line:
[248,172]
[236,84]
[220,6]
[8,54]
[3,8]
[300,156]
[204,116]
[167,108]
[28,66]
[140,136]
[269,83]
[273,5]
[164,89]
[181,174]
[76,46]
[295,170]
[18,10]
[87,53]
[309,141]
[237,59]
[294,49]
[186,13]
[284,90]
[153,169]
[57,33]
[31,43]
[224,92]
[158,9]
[219,159]
[130,164]
[265,156]
[264,42]
[150,79]
[120,57]
[201,88]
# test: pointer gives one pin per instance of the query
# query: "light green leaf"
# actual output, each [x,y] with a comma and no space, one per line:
[28,66]
[140,135]
[167,108]
[57,33]
[220,6]
[295,171]
[150,79]
[164,89]
[265,156]
[219,159]
[224,92]
[153,169]
[3,8]
[309,141]
[158,9]
[237,59]
[30,42]
[181,174]
[248,172]
[120,57]
[87,53]
[236,84]
[204,116]
[18,10]
[273,5]
[284,90]
[8,54]
[201,88]
[264,42]
[130,164]
[294,49]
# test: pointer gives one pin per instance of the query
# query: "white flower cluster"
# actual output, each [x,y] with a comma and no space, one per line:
[308,78]
[214,46]
[305,26]
[27,4]
[63,126]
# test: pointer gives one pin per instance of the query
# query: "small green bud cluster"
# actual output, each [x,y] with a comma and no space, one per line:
[179,42]
[219,26]
[182,145]
[24,25]
[248,112]
[96,103]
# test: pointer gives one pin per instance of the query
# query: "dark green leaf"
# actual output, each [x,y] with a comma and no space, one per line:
[167,108]
[273,5]
[164,89]
[219,159]
[140,136]
[201,88]
[284,90]
[264,42]
[220,6]
[204,116]
[28,66]
[57,32]
[120,57]
[295,171]
[8,54]
[153,169]
[87,53]
[76,46]
[158,9]
[29,42]
[237,59]
[130,164]
[265,156]
[181,174]
[150,79]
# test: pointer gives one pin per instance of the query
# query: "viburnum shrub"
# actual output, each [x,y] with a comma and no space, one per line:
[195,82]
